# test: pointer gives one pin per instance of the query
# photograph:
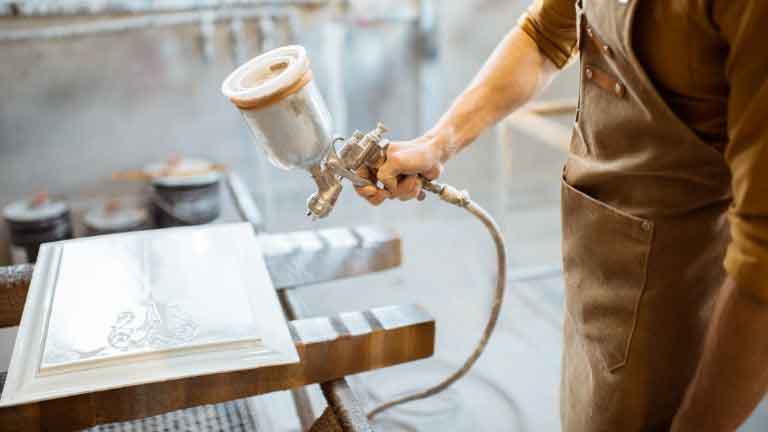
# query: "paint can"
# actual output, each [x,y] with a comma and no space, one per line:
[113,217]
[34,222]
[184,192]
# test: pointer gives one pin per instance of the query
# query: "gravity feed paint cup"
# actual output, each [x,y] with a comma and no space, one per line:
[282,106]
[188,194]
[34,222]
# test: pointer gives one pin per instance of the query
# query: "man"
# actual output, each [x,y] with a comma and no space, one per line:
[664,201]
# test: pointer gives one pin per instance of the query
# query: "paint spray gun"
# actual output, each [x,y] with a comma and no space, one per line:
[286,114]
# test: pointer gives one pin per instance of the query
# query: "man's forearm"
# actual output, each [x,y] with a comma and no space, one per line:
[513,75]
[732,377]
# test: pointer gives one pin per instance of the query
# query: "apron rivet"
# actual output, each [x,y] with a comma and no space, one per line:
[618,89]
[646,226]
[588,73]
[607,49]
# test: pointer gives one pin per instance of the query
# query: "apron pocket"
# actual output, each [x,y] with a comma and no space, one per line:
[605,256]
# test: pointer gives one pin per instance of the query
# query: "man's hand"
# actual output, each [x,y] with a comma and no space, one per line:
[514,73]
[731,378]
[406,161]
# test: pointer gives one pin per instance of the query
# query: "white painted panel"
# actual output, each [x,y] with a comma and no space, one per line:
[126,309]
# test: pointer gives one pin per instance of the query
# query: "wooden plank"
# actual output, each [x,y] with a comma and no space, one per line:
[14,282]
[329,347]
[309,257]
[293,259]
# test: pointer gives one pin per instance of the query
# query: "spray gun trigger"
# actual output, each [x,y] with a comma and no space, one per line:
[357,180]
[352,176]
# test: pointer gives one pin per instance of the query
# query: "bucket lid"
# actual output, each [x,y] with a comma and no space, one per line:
[183,172]
[37,209]
[268,78]
[114,217]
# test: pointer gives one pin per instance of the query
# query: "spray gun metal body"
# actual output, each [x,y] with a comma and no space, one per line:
[360,149]
[369,149]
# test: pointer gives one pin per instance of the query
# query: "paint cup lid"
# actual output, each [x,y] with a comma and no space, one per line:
[34,210]
[268,78]
[183,172]
[113,217]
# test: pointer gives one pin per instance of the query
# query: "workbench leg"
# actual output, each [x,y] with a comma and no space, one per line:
[300,396]
[338,394]
[303,406]
[345,405]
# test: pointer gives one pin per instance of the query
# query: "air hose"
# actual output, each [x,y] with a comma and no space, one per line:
[461,199]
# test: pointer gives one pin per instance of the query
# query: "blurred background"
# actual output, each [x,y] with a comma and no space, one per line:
[91,88]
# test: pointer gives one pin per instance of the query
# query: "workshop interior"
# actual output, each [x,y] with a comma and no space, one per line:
[182,247]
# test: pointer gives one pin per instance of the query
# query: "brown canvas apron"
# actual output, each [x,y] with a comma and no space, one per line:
[644,235]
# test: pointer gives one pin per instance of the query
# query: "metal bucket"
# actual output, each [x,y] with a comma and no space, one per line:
[188,199]
[112,218]
[34,222]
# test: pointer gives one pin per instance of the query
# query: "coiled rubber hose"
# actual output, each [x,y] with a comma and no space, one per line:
[453,196]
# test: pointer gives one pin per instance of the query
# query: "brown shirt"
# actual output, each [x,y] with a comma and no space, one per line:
[709,61]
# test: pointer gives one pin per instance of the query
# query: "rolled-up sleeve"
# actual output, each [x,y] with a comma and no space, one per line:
[552,25]
[742,24]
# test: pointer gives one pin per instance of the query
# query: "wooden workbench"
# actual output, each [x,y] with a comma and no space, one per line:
[330,347]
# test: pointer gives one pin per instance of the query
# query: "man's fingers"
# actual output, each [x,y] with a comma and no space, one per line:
[390,183]
[409,188]
[367,173]
[407,159]
[366,191]
[433,173]
[372,194]
[378,199]
[389,172]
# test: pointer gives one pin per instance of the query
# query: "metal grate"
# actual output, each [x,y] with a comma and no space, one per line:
[232,416]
